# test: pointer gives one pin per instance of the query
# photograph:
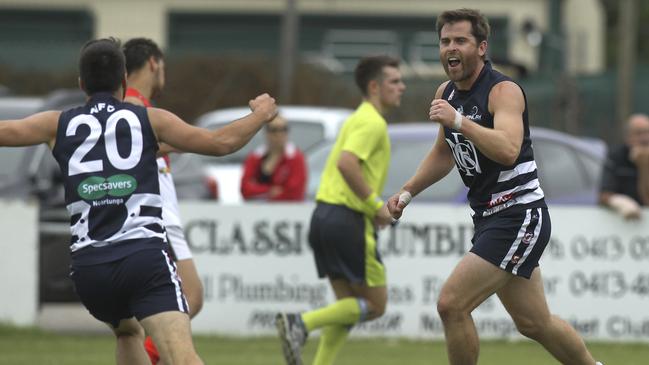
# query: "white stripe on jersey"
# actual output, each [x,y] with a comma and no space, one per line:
[517,241]
[180,297]
[527,198]
[132,228]
[530,246]
[532,184]
[520,169]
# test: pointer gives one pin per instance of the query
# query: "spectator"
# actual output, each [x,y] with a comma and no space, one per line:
[275,171]
[625,180]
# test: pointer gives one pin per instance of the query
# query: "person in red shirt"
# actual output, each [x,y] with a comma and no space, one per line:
[275,171]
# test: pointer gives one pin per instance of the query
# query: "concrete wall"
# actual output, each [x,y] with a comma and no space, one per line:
[18,263]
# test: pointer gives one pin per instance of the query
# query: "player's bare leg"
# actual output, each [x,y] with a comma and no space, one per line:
[525,301]
[129,350]
[472,281]
[192,285]
[171,333]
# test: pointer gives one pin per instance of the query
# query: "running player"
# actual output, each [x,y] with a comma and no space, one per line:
[348,211]
[146,78]
[106,151]
[483,119]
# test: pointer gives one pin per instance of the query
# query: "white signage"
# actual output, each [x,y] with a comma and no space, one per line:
[255,260]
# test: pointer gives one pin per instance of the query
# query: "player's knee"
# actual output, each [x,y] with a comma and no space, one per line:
[528,327]
[448,307]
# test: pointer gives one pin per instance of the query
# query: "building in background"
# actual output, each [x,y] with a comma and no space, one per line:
[47,34]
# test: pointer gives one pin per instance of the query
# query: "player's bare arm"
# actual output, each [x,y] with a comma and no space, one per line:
[34,129]
[164,148]
[435,166]
[502,143]
[174,131]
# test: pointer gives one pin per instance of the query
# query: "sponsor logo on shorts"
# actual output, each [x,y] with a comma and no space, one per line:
[515,259]
[527,238]
[97,187]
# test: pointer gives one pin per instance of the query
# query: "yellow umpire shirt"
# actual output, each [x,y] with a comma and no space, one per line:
[365,134]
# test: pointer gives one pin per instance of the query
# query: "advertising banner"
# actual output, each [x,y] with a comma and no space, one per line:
[255,260]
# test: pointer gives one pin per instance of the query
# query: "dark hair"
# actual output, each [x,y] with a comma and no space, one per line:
[138,51]
[480,28]
[371,68]
[101,66]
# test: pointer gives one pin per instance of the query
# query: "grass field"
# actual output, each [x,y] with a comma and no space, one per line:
[28,346]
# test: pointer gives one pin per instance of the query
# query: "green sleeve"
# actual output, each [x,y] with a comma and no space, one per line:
[364,138]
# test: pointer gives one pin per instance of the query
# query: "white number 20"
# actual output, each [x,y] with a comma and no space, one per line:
[77,166]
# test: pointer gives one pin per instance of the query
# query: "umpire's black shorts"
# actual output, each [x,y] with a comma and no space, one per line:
[513,239]
[139,285]
[344,245]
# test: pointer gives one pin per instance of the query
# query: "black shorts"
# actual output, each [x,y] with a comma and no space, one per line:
[513,240]
[344,245]
[139,285]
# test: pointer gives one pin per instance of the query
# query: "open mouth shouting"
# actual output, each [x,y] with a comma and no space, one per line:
[453,62]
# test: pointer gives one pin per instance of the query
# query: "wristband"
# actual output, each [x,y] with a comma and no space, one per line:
[457,123]
[405,198]
[372,203]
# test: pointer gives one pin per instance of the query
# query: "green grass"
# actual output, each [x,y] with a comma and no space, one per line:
[30,346]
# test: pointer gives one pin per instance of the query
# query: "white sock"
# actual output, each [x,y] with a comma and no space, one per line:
[598,363]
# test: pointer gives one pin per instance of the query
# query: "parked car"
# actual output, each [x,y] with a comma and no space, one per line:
[569,167]
[17,164]
[309,127]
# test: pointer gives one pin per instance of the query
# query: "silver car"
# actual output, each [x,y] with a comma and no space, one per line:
[309,127]
[569,167]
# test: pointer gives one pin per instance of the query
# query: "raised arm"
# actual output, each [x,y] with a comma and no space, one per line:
[502,143]
[34,129]
[172,130]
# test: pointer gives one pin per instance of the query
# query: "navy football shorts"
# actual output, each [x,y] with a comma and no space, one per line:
[344,245]
[139,285]
[513,239]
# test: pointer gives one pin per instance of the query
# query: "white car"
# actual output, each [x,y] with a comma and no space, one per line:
[309,127]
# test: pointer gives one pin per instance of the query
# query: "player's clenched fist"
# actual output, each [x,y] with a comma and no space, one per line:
[264,106]
[442,112]
[397,203]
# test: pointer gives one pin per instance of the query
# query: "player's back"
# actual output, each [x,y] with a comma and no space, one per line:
[106,150]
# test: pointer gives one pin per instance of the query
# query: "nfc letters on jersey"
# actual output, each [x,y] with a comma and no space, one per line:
[465,154]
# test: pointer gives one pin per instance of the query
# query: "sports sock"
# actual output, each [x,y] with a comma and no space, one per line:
[331,341]
[151,350]
[346,312]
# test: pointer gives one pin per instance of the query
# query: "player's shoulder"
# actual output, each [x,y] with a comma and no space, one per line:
[506,89]
[440,89]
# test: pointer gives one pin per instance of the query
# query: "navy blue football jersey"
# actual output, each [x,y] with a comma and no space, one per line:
[106,151]
[492,187]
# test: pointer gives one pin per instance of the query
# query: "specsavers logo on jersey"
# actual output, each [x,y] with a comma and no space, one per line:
[96,187]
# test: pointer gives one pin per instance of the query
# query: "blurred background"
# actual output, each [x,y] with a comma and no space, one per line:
[584,65]
[582,62]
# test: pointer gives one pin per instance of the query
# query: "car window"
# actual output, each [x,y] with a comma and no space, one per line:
[316,161]
[305,135]
[10,161]
[406,156]
[592,167]
[559,169]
